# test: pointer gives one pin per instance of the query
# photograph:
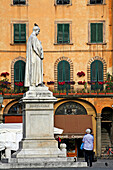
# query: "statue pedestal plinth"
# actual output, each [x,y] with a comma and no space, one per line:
[38,125]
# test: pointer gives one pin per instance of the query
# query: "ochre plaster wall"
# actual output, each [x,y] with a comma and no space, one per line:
[79,13]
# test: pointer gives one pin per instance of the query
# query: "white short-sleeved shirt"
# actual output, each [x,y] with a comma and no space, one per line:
[88,140]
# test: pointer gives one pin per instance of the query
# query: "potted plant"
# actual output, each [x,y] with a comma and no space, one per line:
[62,92]
[71,92]
[55,92]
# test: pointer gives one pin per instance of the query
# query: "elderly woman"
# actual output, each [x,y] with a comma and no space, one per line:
[88,141]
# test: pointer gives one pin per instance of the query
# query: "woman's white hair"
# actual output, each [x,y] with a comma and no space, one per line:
[88,131]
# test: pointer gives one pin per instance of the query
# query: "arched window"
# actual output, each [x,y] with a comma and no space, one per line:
[70,108]
[15,109]
[19,73]
[97,75]
[63,75]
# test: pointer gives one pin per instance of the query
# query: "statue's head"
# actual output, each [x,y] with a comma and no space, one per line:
[36,29]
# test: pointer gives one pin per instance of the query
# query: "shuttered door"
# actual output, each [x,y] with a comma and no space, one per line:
[97,74]
[63,74]
[19,71]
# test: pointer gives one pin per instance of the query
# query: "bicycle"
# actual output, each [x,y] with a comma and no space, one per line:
[108,151]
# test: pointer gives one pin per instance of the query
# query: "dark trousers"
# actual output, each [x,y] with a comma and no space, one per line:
[88,156]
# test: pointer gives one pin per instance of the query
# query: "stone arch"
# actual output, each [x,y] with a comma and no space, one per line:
[104,67]
[56,71]
[9,105]
[12,69]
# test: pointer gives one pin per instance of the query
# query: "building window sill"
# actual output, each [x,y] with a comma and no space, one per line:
[63,44]
[89,43]
[95,4]
[63,4]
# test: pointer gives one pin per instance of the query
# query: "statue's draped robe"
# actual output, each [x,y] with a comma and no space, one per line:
[34,69]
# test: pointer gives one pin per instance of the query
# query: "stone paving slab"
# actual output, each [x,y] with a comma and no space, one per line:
[42,165]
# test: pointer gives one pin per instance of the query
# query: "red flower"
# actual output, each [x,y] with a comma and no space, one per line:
[81,83]
[61,83]
[80,74]
[4,74]
[19,83]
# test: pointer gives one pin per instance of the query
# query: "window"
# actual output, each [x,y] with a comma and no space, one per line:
[63,34]
[96,1]
[15,109]
[96,33]
[19,2]
[71,108]
[19,33]
[97,75]
[63,75]
[19,73]
[62,2]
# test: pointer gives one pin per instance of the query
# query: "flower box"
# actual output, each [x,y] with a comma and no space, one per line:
[71,93]
[14,94]
[7,94]
[55,94]
[20,93]
[85,93]
[79,93]
[62,93]
[93,93]
[109,93]
[101,93]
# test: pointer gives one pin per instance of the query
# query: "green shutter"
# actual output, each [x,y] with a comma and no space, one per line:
[66,33]
[60,71]
[16,32]
[60,33]
[97,74]
[96,32]
[17,2]
[23,32]
[93,32]
[100,32]
[63,33]
[16,72]
[63,74]
[19,33]
[19,71]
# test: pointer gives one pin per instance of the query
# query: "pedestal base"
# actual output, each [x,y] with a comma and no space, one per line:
[38,126]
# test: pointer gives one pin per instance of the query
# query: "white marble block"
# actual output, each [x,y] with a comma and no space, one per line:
[38,125]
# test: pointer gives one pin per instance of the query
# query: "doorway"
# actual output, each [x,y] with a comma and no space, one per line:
[73,147]
[107,128]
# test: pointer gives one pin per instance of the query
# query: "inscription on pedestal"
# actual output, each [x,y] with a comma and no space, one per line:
[38,105]
[43,94]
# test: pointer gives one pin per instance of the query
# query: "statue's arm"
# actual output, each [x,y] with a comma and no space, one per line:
[35,47]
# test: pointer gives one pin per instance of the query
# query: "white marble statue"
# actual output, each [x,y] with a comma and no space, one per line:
[34,57]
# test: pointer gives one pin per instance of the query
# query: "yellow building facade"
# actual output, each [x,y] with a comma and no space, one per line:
[78,33]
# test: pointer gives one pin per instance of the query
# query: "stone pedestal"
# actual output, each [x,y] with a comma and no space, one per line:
[38,125]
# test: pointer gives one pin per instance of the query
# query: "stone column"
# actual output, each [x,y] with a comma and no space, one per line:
[98,135]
